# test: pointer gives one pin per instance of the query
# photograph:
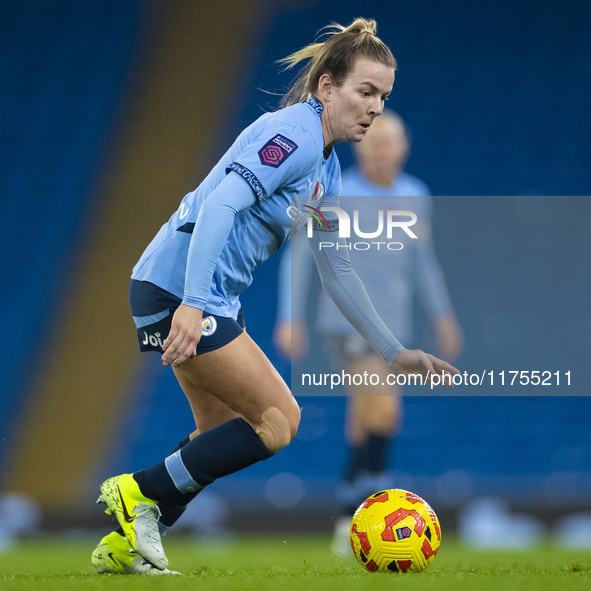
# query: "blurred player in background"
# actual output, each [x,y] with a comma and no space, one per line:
[391,279]
[185,289]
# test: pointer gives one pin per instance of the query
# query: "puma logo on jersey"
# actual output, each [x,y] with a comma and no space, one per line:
[183,211]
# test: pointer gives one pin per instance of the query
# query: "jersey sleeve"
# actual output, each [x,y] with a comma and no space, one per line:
[276,157]
[343,285]
[213,226]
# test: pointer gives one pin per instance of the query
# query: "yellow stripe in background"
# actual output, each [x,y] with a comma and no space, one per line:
[165,147]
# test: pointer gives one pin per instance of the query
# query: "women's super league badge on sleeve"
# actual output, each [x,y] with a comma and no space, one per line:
[277,150]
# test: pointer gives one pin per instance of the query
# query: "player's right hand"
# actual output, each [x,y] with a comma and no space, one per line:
[185,333]
[415,361]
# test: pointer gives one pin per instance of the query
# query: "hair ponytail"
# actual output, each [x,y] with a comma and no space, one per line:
[335,55]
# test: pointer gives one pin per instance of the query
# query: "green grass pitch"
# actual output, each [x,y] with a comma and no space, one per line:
[290,563]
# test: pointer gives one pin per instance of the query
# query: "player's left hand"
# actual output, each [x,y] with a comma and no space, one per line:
[415,361]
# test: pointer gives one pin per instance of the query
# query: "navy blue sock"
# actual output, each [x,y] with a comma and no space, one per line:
[171,510]
[355,462]
[215,453]
[376,450]
[365,460]
[181,444]
[369,456]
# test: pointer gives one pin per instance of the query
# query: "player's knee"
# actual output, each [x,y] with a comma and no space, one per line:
[277,428]
[383,427]
[384,424]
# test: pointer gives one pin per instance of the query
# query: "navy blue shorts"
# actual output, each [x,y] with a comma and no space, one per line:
[346,349]
[152,309]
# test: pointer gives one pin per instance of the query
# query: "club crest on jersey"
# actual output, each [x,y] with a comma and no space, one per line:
[277,150]
[317,189]
[208,325]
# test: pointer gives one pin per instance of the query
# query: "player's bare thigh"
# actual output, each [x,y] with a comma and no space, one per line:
[242,378]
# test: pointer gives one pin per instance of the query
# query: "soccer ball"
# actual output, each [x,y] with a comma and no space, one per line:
[395,531]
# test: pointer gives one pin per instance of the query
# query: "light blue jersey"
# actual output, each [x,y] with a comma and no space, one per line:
[391,277]
[204,254]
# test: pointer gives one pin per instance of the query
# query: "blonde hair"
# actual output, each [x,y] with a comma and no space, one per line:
[336,56]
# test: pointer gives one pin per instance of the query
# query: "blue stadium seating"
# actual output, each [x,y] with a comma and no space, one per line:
[64,66]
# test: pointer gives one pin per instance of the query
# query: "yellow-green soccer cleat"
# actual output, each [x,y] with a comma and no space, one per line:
[137,515]
[115,556]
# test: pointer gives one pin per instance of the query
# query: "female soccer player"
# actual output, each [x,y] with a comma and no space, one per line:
[185,288]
